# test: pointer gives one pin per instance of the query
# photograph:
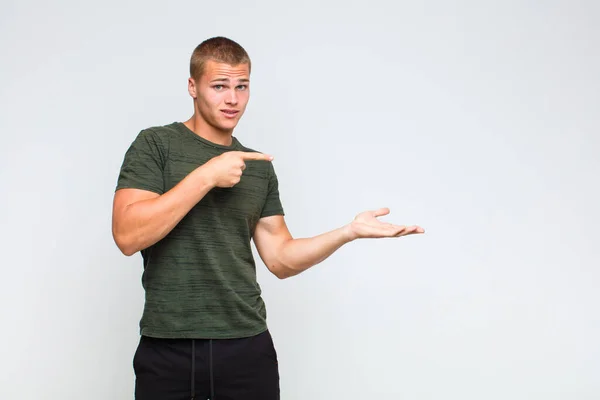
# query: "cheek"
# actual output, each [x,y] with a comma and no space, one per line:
[211,102]
[244,97]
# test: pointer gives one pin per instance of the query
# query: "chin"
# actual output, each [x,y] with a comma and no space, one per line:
[228,124]
[225,127]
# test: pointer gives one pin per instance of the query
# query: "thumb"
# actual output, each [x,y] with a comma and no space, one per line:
[381,212]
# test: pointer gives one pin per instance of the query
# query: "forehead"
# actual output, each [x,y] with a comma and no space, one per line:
[213,69]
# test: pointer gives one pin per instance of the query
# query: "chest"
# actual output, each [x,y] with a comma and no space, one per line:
[241,203]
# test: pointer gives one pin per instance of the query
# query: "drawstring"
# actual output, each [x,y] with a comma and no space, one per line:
[210,363]
[210,356]
[193,369]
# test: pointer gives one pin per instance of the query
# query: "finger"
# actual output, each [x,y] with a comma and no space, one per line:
[412,230]
[256,156]
[396,228]
[390,230]
[400,231]
[418,229]
[404,233]
[389,225]
[384,232]
[415,229]
[381,212]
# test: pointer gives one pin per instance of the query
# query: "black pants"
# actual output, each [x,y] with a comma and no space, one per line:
[215,369]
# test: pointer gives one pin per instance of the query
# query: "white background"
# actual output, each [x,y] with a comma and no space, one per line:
[477,120]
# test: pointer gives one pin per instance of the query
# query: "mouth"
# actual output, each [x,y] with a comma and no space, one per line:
[230,113]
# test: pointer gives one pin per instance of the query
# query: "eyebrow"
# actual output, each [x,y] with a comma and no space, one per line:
[244,80]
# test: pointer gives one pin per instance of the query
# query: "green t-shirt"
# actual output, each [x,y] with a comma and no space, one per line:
[200,280]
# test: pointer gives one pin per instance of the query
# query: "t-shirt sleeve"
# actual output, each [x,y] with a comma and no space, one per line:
[273,204]
[143,164]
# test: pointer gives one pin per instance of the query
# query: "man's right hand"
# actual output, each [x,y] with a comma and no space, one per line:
[226,170]
[141,218]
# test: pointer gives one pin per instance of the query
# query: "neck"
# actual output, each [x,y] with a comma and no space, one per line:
[199,126]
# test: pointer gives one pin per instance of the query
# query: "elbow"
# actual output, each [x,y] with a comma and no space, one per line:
[126,248]
[127,251]
[283,272]
[125,244]
[281,275]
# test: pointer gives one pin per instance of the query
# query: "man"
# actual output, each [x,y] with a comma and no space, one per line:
[191,198]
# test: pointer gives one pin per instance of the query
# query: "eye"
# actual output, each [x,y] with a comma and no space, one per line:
[218,87]
[242,87]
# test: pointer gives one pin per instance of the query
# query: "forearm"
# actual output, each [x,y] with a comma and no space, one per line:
[298,255]
[145,222]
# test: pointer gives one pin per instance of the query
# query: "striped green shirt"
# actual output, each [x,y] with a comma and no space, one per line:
[200,280]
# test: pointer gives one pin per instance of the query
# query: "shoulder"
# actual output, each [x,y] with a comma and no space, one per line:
[158,136]
[159,132]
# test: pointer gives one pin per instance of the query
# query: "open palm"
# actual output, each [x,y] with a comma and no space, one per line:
[366,225]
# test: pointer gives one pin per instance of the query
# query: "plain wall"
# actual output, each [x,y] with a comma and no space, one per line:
[478,120]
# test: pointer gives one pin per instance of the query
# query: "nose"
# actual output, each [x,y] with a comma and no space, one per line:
[231,98]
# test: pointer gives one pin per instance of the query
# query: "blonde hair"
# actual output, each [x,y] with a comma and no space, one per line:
[219,49]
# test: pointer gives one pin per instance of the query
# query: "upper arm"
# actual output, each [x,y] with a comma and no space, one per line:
[269,236]
[143,164]
[271,231]
[272,206]
[124,198]
[141,175]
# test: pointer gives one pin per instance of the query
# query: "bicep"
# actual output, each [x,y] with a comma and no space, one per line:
[125,197]
[270,234]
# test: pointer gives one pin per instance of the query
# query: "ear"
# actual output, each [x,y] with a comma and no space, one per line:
[192,88]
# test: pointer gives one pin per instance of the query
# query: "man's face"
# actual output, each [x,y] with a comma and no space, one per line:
[221,94]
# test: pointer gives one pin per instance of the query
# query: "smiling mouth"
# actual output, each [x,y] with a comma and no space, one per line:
[230,113]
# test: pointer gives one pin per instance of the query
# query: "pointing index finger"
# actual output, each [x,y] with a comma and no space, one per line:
[256,156]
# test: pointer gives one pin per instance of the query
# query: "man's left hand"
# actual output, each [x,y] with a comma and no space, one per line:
[366,225]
